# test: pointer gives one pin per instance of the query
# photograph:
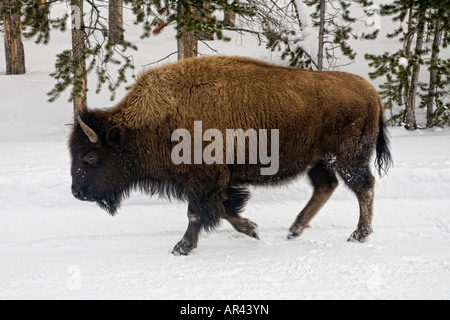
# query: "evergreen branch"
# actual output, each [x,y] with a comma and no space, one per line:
[162,59]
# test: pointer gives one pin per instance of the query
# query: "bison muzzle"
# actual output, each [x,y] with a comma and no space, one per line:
[329,125]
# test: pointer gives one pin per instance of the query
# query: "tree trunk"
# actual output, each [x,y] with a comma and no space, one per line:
[190,44]
[43,5]
[433,72]
[408,53]
[188,40]
[410,32]
[323,8]
[78,48]
[429,27]
[208,16]
[229,19]
[138,7]
[116,21]
[411,100]
[14,51]
[180,44]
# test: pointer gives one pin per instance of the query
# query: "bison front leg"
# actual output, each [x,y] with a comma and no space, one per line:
[206,195]
[204,214]
[190,239]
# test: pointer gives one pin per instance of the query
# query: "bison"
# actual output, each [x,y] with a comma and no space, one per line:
[329,124]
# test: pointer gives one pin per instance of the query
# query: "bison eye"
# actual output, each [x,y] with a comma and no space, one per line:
[91,158]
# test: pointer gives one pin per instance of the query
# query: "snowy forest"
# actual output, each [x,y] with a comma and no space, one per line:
[60,55]
[308,34]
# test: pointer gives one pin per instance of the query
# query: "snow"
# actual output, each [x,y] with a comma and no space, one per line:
[308,43]
[403,62]
[53,246]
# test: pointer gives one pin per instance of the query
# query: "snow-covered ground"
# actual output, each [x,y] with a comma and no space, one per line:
[54,246]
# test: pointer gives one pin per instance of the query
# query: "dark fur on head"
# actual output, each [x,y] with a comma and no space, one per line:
[106,172]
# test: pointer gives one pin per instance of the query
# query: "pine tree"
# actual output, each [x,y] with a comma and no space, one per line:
[187,38]
[97,50]
[435,94]
[100,46]
[229,18]
[322,12]
[402,69]
[37,22]
[192,18]
[208,15]
[431,94]
[78,59]
[116,21]
[14,50]
[284,31]
[333,23]
[395,68]
[416,60]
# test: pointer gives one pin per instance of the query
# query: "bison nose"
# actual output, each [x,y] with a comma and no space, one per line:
[78,194]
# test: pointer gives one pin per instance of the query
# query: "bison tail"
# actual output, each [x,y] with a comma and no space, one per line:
[383,159]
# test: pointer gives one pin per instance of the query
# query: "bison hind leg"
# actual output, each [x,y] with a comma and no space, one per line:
[324,182]
[361,181]
[237,197]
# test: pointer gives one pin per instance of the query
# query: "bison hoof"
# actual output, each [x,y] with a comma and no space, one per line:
[179,253]
[296,232]
[293,235]
[183,248]
[248,228]
[254,231]
[359,236]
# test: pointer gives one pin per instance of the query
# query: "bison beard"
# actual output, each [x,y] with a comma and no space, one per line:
[110,205]
[329,123]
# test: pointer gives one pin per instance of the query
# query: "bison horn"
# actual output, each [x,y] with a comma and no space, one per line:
[93,137]
[79,108]
[87,130]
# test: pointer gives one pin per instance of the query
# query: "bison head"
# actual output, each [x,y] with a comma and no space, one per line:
[101,167]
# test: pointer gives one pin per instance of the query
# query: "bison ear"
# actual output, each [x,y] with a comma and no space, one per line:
[115,136]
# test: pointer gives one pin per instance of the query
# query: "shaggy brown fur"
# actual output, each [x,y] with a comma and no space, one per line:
[328,122]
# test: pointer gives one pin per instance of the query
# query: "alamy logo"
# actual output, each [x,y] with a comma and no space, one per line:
[232,150]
